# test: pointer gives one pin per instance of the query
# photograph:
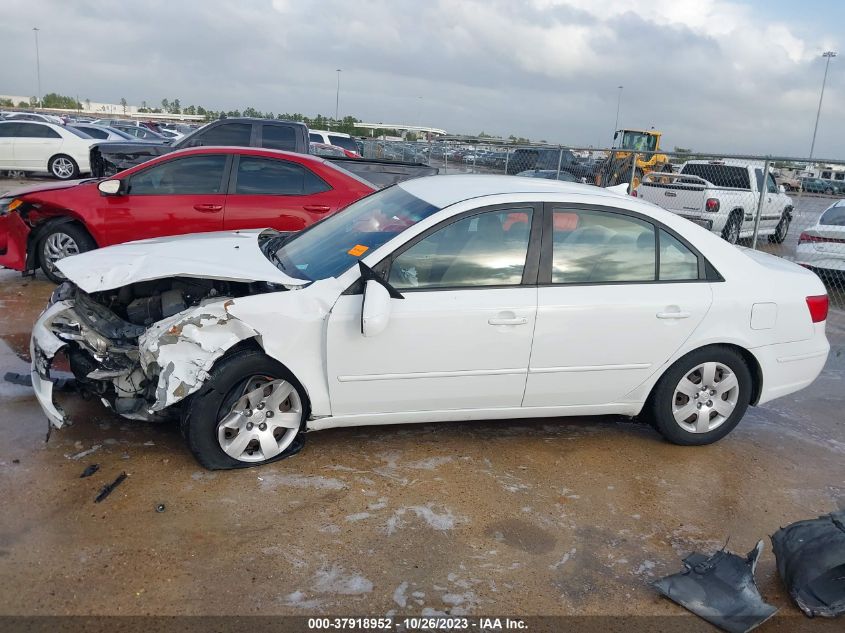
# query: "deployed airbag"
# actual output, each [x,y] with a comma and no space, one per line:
[811,562]
[720,588]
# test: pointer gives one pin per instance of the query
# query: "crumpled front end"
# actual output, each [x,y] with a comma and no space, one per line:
[139,349]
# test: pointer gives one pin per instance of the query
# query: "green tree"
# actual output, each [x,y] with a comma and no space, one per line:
[33,101]
[123,103]
[175,107]
[23,104]
[165,105]
[6,103]
[88,104]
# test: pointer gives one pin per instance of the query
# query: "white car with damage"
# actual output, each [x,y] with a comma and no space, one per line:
[440,298]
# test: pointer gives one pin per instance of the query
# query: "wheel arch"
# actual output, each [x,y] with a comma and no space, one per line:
[751,361]
[62,217]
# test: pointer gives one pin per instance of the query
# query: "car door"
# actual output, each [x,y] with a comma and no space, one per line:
[276,193]
[773,204]
[609,312]
[35,144]
[461,336]
[8,131]
[172,197]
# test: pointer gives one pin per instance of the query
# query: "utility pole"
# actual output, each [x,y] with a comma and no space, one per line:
[38,66]
[828,55]
[337,97]
[618,105]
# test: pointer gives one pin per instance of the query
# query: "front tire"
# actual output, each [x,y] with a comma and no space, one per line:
[63,167]
[702,397]
[250,412]
[781,229]
[58,242]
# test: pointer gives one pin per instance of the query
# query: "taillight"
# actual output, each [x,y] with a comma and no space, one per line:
[806,237]
[818,306]
[712,205]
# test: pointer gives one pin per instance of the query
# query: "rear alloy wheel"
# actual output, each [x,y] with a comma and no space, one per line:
[828,191]
[250,412]
[731,231]
[702,397]
[63,240]
[63,167]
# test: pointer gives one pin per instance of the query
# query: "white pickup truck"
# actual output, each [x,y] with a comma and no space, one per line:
[722,196]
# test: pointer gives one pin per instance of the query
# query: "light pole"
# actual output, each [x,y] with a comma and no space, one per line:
[618,105]
[829,55]
[37,65]
[337,97]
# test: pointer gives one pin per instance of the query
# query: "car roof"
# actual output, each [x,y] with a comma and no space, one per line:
[444,191]
[341,134]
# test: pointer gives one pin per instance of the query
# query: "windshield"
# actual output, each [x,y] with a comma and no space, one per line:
[638,141]
[332,246]
[835,215]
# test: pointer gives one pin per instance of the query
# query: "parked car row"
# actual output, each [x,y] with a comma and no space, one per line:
[821,185]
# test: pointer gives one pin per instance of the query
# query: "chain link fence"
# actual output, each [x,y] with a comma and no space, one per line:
[790,207]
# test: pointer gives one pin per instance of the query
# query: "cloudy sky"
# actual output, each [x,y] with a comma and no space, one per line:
[714,75]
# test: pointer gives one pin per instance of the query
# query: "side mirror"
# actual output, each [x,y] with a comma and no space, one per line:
[781,189]
[375,313]
[110,187]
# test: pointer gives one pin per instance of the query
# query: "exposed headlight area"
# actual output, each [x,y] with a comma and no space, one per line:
[7,205]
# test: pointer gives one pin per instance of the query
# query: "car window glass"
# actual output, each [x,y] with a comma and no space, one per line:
[834,216]
[281,137]
[276,177]
[758,175]
[8,130]
[225,134]
[315,138]
[487,249]
[771,185]
[33,130]
[677,262]
[94,132]
[192,175]
[600,247]
[344,142]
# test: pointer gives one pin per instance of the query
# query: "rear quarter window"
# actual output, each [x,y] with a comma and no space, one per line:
[720,175]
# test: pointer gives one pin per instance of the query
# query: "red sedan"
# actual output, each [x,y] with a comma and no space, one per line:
[188,191]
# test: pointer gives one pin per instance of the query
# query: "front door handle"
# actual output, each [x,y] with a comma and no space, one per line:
[507,321]
[317,208]
[209,208]
[673,315]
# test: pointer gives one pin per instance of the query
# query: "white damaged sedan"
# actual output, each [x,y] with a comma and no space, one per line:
[441,298]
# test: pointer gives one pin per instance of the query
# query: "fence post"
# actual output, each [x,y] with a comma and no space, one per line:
[507,158]
[559,160]
[633,174]
[763,192]
[445,161]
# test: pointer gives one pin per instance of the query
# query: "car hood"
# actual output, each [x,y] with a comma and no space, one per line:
[227,255]
[46,186]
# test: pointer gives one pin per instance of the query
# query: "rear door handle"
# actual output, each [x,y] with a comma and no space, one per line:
[208,208]
[673,315]
[317,208]
[507,321]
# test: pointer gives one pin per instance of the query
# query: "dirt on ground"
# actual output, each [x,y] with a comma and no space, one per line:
[528,517]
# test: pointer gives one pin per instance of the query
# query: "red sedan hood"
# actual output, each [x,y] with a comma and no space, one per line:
[46,186]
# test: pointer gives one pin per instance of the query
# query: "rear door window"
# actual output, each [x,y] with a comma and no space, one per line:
[281,137]
[344,142]
[34,130]
[268,176]
[226,134]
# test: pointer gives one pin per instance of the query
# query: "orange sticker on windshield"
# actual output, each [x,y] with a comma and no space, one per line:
[358,249]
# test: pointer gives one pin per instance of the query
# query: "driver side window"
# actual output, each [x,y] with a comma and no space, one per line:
[488,249]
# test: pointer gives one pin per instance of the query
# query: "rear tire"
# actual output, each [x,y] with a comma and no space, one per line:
[63,167]
[731,231]
[828,191]
[58,242]
[235,402]
[702,397]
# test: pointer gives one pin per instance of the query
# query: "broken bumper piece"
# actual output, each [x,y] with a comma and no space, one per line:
[42,348]
[721,589]
[811,562]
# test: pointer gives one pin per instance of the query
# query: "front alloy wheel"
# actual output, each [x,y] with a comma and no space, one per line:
[263,422]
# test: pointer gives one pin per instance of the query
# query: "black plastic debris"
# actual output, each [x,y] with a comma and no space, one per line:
[720,588]
[160,507]
[811,562]
[89,470]
[108,488]
[25,380]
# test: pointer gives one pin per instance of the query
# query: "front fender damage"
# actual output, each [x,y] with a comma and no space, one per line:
[183,348]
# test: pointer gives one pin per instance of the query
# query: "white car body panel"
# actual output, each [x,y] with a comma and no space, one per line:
[227,255]
[826,249]
[34,154]
[440,358]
